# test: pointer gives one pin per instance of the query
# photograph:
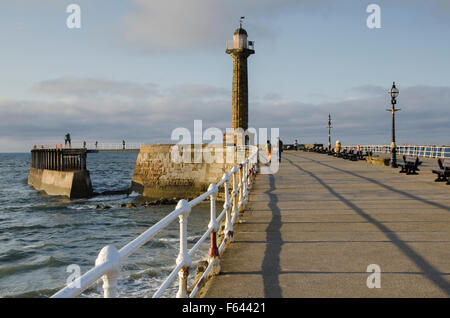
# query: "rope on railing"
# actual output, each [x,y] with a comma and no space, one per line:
[108,263]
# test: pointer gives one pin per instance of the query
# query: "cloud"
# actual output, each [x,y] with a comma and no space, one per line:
[94,87]
[108,110]
[200,91]
[106,115]
[155,26]
[363,119]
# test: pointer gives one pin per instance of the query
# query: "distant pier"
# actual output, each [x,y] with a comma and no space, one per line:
[111,150]
[109,147]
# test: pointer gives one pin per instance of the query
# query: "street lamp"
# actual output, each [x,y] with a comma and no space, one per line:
[394,93]
[329,132]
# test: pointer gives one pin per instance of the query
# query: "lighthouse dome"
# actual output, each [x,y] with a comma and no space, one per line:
[240,31]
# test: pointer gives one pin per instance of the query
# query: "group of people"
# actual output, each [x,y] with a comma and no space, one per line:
[68,141]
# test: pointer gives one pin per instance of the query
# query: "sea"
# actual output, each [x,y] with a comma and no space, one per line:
[41,235]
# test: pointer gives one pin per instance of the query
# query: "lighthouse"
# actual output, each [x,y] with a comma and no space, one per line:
[240,49]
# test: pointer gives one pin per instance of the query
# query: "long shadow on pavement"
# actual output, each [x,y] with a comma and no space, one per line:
[429,270]
[271,263]
[406,194]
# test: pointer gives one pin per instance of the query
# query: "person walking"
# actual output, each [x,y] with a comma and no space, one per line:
[269,151]
[295,144]
[280,148]
[67,140]
[96,144]
[123,144]
[84,144]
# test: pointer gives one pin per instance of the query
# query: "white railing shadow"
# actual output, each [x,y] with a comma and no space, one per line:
[109,260]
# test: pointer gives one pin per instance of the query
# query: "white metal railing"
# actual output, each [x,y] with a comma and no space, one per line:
[240,44]
[412,150]
[98,146]
[109,260]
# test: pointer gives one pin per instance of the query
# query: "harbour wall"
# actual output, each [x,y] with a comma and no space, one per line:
[73,184]
[166,171]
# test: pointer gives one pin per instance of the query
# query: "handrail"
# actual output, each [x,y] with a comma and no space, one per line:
[93,146]
[413,150]
[108,263]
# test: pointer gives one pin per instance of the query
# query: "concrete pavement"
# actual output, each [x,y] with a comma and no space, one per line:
[312,229]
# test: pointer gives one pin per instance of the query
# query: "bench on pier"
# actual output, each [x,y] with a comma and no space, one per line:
[340,154]
[362,156]
[443,172]
[409,165]
[351,155]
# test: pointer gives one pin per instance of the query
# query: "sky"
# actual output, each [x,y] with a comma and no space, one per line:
[138,69]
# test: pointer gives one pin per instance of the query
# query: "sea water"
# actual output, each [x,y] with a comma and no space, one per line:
[41,235]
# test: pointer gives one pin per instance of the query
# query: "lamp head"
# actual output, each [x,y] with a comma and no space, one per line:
[394,91]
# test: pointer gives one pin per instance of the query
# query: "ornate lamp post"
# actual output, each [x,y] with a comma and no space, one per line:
[394,93]
[329,132]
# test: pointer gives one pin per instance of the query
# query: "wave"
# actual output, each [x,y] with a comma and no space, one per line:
[144,273]
[39,246]
[36,227]
[43,293]
[50,262]
[82,207]
[14,255]
[134,194]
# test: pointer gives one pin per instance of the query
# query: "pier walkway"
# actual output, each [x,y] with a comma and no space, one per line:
[312,229]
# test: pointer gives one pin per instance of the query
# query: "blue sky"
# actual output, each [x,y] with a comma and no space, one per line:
[138,69]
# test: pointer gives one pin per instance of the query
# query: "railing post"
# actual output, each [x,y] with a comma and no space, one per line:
[243,182]
[246,182]
[213,254]
[183,256]
[235,195]
[250,173]
[109,254]
[228,224]
[241,188]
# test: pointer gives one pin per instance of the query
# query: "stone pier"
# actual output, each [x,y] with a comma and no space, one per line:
[181,171]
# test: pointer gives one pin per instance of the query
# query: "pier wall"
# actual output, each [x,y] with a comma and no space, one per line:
[73,184]
[157,175]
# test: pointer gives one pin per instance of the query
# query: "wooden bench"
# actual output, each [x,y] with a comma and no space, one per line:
[443,171]
[409,165]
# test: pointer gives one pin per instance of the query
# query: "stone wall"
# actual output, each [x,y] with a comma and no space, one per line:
[160,173]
